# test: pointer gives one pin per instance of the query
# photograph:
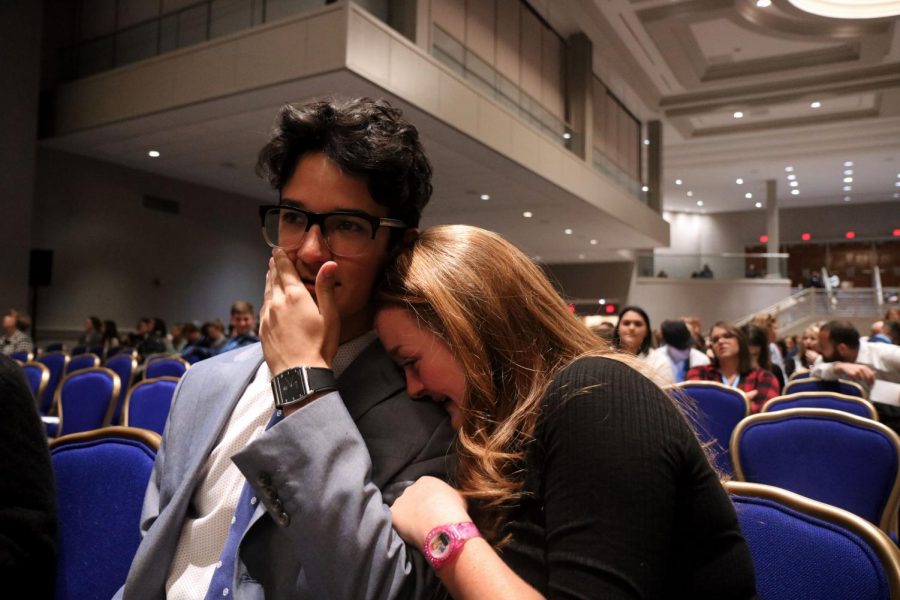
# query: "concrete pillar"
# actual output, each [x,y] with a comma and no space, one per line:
[20,49]
[654,165]
[773,270]
[580,75]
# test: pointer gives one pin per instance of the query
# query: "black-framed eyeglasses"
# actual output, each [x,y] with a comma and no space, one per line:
[346,232]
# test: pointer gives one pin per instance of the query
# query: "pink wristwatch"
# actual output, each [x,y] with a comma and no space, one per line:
[444,542]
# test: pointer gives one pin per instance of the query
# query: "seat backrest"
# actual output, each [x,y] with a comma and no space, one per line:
[716,410]
[123,365]
[38,376]
[85,399]
[56,362]
[832,400]
[55,347]
[22,356]
[148,402]
[814,384]
[827,455]
[800,374]
[807,549]
[166,366]
[85,360]
[101,477]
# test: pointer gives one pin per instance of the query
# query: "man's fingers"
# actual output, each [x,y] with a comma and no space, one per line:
[287,273]
[328,307]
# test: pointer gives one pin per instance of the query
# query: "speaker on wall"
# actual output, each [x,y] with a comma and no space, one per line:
[40,267]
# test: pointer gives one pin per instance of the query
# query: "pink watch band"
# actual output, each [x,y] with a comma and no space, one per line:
[444,542]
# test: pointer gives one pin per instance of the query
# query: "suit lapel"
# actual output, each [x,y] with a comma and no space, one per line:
[369,379]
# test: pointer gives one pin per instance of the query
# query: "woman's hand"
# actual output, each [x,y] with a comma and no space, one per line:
[295,329]
[424,505]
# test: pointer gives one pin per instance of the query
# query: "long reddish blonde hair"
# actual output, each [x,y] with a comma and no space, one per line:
[510,331]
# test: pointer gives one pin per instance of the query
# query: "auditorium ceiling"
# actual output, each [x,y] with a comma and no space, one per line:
[753,93]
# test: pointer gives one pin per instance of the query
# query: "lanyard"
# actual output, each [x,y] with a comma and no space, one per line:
[734,384]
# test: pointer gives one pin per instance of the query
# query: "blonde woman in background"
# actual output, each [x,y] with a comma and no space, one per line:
[580,468]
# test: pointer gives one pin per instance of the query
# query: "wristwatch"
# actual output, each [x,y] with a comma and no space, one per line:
[297,384]
[444,542]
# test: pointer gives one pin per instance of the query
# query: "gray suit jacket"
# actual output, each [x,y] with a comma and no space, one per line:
[323,475]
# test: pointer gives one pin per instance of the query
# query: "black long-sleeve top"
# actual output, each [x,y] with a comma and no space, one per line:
[27,492]
[622,502]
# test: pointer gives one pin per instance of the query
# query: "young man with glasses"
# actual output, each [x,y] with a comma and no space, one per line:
[278,458]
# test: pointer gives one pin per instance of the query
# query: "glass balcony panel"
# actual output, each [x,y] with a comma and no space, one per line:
[278,9]
[137,43]
[228,16]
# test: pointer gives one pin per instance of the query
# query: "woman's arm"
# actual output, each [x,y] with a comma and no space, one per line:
[476,571]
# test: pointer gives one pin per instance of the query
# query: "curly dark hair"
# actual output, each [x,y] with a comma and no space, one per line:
[366,137]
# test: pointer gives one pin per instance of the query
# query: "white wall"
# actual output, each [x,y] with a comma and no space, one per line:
[118,260]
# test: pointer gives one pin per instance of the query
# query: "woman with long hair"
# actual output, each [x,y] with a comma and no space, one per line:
[809,351]
[732,365]
[581,469]
[760,356]
[632,334]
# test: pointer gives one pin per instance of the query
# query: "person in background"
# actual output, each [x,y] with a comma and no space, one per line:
[845,356]
[733,366]
[696,328]
[769,323]
[877,334]
[758,342]
[147,340]
[110,336]
[633,335]
[892,330]
[583,473]
[604,330]
[92,337]
[243,327]
[678,352]
[28,527]
[15,338]
[176,335]
[808,351]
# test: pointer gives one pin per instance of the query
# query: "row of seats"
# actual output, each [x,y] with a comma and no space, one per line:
[95,397]
[48,371]
[801,548]
[823,445]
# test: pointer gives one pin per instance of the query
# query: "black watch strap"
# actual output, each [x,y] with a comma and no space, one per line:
[297,384]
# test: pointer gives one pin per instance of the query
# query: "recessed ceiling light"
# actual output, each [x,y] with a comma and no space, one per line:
[816,104]
[593,242]
[581,257]
[568,232]
[602,301]
[758,205]
[848,163]
[764,3]
[850,172]
[644,188]
[690,193]
[567,136]
[789,169]
[792,177]
[748,195]
[678,182]
[527,214]
[848,180]
[897,184]
[847,188]
[738,114]
[485,197]
[646,142]
[795,192]
[699,202]
[153,154]
[846,198]
[740,181]
[794,184]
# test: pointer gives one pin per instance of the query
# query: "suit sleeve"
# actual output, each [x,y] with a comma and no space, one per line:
[314,475]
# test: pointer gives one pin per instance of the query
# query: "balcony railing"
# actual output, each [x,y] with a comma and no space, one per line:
[729,265]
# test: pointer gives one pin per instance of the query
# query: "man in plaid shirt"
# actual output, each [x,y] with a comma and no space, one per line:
[15,324]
